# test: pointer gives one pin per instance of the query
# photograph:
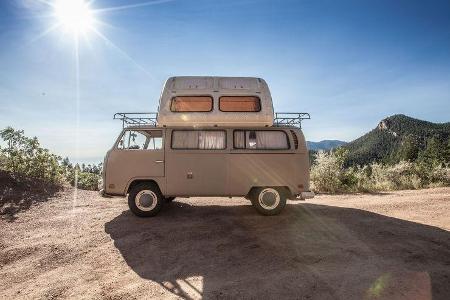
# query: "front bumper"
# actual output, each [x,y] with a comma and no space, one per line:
[104,194]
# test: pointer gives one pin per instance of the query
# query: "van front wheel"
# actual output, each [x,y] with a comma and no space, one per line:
[268,201]
[145,200]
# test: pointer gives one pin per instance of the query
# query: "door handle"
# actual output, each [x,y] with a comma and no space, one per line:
[159,161]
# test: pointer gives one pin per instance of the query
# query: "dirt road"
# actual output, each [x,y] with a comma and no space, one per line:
[388,246]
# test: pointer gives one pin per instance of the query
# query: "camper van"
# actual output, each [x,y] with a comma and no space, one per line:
[211,136]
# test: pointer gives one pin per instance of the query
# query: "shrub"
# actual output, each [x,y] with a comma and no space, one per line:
[82,179]
[88,181]
[23,156]
[329,175]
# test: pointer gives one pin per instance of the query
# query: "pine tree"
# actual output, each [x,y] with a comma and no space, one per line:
[447,153]
[434,151]
[408,150]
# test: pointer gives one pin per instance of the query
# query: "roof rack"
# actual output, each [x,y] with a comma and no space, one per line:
[149,119]
[137,119]
[290,119]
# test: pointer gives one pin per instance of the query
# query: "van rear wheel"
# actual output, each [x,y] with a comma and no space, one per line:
[145,200]
[268,201]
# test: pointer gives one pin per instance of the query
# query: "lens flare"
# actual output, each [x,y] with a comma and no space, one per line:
[74,15]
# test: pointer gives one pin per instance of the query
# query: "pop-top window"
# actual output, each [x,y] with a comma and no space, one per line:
[199,139]
[261,139]
[240,104]
[191,104]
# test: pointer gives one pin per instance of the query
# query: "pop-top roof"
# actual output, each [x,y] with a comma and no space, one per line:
[204,101]
[215,101]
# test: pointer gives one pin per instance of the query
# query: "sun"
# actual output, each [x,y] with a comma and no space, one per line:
[74,15]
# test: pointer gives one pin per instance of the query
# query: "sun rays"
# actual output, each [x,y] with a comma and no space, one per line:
[78,21]
[80,18]
[75,16]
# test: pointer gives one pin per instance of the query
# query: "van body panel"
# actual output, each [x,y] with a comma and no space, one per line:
[125,165]
[196,174]
[272,169]
[221,172]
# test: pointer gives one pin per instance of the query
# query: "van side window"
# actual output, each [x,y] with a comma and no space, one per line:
[191,104]
[199,139]
[141,140]
[260,139]
[239,104]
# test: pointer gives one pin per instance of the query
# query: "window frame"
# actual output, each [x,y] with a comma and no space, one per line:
[245,139]
[192,111]
[124,131]
[240,111]
[289,146]
[198,142]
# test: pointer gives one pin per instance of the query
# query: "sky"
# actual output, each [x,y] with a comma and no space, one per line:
[348,63]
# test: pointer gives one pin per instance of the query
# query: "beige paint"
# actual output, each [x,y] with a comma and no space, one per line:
[228,172]
[215,87]
[124,166]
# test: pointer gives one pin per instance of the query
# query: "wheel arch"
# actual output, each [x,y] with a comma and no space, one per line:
[135,182]
[284,188]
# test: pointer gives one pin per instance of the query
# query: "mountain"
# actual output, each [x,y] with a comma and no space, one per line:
[386,140]
[324,145]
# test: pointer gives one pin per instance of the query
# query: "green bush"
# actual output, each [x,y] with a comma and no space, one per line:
[83,180]
[23,156]
[88,181]
[328,175]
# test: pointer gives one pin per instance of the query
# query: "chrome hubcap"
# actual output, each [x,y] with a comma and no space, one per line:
[269,198]
[146,200]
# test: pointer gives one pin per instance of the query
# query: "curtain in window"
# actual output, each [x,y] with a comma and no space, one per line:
[251,139]
[198,139]
[185,139]
[271,140]
[239,139]
[211,140]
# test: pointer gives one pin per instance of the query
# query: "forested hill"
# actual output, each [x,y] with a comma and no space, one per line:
[399,137]
[324,145]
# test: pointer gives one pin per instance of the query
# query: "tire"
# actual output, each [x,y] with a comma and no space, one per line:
[268,201]
[169,199]
[145,200]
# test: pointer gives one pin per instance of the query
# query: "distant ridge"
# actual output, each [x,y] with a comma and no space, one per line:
[385,140]
[324,145]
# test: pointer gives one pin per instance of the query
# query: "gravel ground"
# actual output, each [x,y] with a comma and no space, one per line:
[385,246]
